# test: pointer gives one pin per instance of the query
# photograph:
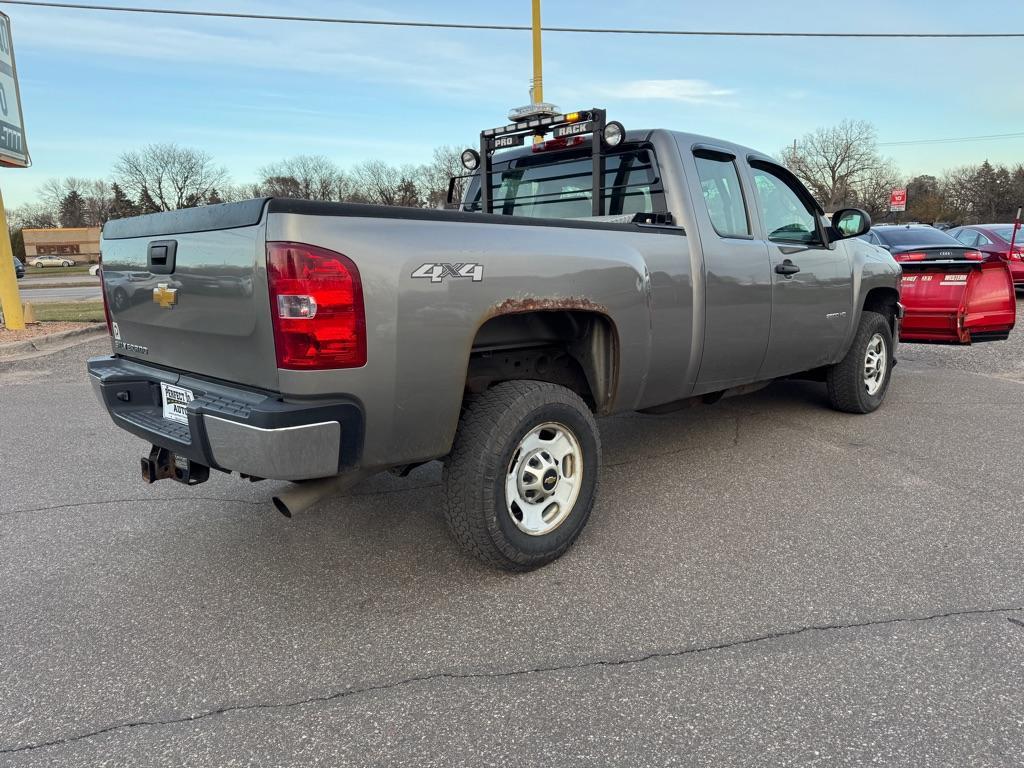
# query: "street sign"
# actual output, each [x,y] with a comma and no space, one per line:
[898,200]
[13,146]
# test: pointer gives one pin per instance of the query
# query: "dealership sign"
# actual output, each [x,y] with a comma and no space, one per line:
[13,147]
[898,200]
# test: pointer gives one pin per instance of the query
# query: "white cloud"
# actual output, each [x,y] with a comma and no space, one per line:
[688,91]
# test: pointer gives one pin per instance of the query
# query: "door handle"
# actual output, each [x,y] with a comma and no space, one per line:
[787,268]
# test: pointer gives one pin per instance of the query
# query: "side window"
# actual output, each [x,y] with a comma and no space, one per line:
[723,195]
[968,237]
[982,240]
[787,218]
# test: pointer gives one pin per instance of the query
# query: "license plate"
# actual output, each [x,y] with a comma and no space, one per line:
[176,400]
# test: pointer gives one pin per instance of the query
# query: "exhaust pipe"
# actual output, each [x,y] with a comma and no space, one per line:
[301,496]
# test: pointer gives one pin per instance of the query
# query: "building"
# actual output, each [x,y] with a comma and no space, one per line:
[82,244]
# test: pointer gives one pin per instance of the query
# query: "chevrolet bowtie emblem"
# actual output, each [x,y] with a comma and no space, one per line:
[164,296]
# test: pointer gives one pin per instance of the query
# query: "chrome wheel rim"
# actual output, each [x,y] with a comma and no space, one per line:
[875,363]
[543,479]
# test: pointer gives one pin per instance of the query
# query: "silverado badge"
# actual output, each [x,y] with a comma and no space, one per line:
[164,296]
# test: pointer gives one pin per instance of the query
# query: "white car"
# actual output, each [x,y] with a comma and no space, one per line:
[94,269]
[52,261]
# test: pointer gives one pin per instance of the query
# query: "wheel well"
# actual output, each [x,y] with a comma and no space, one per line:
[575,349]
[883,301]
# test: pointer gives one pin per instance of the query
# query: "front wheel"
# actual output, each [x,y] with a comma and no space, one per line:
[522,475]
[858,383]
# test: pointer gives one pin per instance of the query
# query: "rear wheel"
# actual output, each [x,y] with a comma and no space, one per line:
[858,383]
[521,478]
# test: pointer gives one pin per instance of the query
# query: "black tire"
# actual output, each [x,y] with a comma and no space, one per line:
[847,390]
[490,431]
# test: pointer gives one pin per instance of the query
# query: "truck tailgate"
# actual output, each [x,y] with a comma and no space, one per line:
[188,290]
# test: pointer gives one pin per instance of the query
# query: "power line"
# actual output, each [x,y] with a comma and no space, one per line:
[513,27]
[989,137]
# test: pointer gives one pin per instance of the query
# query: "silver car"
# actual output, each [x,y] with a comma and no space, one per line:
[51,261]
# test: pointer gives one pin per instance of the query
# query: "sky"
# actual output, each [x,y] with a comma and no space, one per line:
[96,84]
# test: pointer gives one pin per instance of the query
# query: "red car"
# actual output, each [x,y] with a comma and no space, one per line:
[994,241]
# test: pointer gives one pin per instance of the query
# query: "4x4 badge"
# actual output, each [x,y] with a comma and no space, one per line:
[438,272]
[164,296]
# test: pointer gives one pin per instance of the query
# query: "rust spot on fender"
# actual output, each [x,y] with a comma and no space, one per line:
[535,304]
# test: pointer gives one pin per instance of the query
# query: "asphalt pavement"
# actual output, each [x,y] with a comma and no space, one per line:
[763,582]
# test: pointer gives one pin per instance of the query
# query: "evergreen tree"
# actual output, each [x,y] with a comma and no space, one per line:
[146,203]
[122,206]
[72,210]
[214,198]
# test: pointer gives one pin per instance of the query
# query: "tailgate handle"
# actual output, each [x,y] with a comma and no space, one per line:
[161,255]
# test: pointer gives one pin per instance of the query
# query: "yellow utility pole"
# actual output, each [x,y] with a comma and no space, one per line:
[13,154]
[538,57]
[9,296]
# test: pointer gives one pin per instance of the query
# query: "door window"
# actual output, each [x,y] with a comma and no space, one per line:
[723,195]
[787,217]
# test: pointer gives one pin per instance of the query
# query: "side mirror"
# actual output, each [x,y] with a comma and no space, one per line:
[850,222]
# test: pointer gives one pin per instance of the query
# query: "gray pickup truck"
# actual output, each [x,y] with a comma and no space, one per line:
[597,272]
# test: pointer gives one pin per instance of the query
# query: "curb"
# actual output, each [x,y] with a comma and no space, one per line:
[42,343]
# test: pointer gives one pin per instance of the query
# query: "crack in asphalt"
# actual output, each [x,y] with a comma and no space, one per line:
[179,499]
[500,674]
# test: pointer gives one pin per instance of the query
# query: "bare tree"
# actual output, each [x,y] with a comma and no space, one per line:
[840,165]
[873,188]
[310,177]
[387,184]
[31,216]
[95,194]
[173,176]
[435,176]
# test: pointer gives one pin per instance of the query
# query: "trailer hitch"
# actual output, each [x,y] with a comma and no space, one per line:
[162,464]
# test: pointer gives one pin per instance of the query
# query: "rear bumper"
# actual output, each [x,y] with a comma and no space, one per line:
[248,431]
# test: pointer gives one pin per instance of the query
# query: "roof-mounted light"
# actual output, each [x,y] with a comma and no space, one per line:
[519,114]
[614,133]
[470,159]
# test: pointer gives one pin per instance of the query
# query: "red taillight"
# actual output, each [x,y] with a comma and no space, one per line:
[316,301]
[1016,253]
[106,306]
[974,256]
[910,256]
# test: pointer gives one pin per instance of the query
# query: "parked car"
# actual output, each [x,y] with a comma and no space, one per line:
[993,240]
[370,337]
[919,242]
[19,268]
[51,261]
[950,295]
[94,270]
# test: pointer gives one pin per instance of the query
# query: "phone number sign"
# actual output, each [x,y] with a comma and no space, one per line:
[13,146]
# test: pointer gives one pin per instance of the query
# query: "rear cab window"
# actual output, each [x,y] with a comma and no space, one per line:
[560,186]
[723,194]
